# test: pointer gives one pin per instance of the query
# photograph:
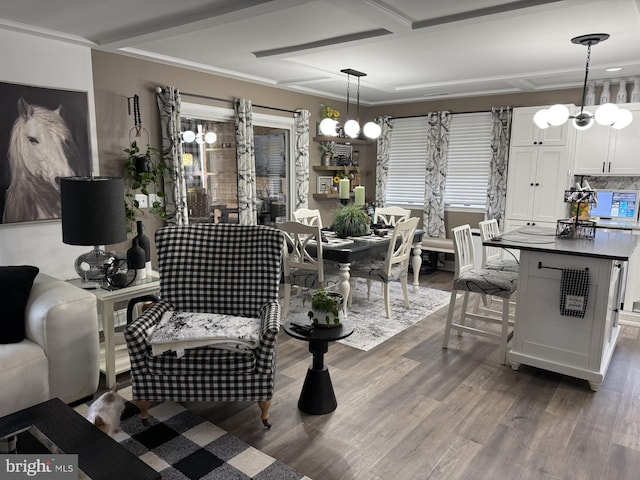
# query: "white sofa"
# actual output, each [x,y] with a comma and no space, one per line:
[59,356]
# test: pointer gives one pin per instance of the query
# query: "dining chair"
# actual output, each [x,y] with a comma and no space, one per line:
[394,267]
[390,215]
[308,216]
[491,256]
[300,266]
[479,281]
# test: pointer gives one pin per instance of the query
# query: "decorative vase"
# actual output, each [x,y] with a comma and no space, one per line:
[635,92]
[145,243]
[621,96]
[326,158]
[326,308]
[605,95]
[136,259]
[590,99]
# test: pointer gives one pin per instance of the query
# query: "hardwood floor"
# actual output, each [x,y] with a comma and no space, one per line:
[410,410]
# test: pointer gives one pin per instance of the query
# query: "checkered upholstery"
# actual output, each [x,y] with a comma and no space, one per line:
[222,268]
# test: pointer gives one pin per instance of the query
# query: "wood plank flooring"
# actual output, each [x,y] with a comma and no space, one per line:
[410,410]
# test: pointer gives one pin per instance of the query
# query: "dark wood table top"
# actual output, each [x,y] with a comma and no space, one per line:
[319,333]
[99,456]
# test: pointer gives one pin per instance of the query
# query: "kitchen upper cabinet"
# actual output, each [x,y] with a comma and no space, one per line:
[537,178]
[607,151]
[524,132]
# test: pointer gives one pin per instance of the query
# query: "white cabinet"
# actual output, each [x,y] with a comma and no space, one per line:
[607,151]
[540,163]
[524,132]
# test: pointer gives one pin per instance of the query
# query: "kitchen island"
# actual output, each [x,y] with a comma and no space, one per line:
[579,340]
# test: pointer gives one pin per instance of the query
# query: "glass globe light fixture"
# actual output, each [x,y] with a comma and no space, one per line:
[328,126]
[583,120]
[624,118]
[557,115]
[541,119]
[607,114]
[352,128]
[188,136]
[371,130]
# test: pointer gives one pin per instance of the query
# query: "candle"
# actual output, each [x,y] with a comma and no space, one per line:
[359,195]
[344,188]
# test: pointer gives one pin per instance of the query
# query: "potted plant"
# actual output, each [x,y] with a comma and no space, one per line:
[325,308]
[143,174]
[351,221]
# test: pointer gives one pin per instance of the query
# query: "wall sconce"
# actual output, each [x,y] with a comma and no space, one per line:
[607,114]
[330,127]
[200,137]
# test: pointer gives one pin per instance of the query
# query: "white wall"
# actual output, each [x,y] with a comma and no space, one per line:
[40,62]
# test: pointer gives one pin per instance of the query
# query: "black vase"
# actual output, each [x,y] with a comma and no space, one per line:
[145,244]
[135,256]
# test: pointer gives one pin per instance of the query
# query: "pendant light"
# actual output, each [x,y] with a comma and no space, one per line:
[607,114]
[351,128]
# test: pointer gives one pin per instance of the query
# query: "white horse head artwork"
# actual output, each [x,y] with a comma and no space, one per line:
[40,148]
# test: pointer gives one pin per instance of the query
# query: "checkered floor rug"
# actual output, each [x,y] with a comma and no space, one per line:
[181,445]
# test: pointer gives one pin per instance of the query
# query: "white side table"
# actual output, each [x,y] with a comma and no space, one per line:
[105,302]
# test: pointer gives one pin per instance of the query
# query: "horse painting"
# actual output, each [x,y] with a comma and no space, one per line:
[40,151]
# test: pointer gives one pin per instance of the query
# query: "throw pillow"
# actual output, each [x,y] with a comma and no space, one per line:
[15,285]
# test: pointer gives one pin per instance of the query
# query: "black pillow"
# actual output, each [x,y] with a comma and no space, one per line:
[15,285]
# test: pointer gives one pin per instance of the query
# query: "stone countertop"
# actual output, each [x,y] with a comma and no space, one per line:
[614,245]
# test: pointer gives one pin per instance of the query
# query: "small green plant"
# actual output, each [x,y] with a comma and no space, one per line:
[328,302]
[144,173]
[351,221]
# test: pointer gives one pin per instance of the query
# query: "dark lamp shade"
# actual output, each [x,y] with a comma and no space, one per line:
[93,210]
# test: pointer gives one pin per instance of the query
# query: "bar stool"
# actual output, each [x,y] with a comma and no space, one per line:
[491,256]
[482,281]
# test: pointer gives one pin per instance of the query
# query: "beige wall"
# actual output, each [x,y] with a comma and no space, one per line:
[117,77]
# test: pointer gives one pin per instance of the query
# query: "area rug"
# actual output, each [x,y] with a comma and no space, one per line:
[182,446]
[371,325]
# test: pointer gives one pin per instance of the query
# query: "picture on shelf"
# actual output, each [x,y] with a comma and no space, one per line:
[324,184]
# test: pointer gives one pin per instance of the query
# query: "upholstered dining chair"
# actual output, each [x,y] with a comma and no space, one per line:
[394,267]
[492,256]
[481,281]
[308,216]
[390,215]
[225,269]
[300,267]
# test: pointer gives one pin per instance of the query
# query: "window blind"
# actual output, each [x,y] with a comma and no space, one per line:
[407,157]
[468,160]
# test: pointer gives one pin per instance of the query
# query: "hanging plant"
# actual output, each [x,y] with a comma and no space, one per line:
[144,173]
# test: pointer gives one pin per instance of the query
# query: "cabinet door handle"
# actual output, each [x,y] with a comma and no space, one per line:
[535,143]
[537,184]
[531,184]
[609,167]
[603,163]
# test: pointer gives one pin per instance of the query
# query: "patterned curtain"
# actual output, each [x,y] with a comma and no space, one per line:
[302,159]
[497,185]
[382,160]
[437,149]
[175,201]
[246,159]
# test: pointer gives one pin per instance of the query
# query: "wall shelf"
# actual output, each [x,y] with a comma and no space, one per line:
[335,168]
[345,140]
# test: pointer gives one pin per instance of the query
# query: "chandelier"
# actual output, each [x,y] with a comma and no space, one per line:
[200,137]
[607,114]
[351,128]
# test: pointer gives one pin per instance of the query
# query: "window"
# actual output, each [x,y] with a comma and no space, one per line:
[468,161]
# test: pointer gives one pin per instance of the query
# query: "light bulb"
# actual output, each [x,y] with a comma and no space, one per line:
[210,137]
[199,139]
[328,127]
[188,136]
[624,118]
[352,128]
[557,115]
[371,130]
[541,118]
[607,114]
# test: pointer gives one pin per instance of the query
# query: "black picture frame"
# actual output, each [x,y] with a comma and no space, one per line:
[70,107]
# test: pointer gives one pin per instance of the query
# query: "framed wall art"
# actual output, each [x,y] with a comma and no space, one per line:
[44,135]
[324,184]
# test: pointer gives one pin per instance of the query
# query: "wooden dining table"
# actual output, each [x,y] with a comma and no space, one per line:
[349,250]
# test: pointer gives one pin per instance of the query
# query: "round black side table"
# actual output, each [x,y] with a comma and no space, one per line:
[317,396]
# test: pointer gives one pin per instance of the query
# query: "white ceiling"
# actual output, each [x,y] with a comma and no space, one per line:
[411,50]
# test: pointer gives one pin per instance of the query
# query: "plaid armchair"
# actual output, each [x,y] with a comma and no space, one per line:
[227,269]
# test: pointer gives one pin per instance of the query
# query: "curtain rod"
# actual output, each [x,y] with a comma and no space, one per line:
[452,113]
[226,100]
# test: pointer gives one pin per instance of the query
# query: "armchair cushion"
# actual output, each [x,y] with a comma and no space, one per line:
[15,285]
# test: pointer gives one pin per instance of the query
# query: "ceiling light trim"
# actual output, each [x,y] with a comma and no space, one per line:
[480,12]
[352,37]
